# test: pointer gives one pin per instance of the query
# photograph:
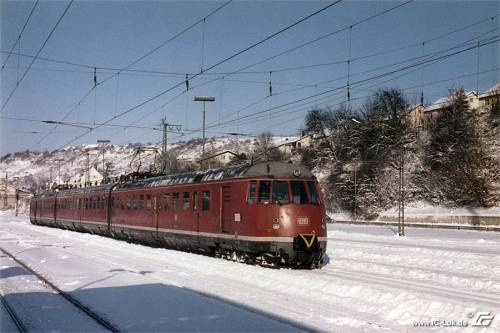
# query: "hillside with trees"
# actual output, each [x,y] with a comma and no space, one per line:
[366,154]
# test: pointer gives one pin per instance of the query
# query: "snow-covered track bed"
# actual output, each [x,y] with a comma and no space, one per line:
[378,286]
[9,320]
[54,289]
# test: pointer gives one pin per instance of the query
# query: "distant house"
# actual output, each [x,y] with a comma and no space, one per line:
[221,158]
[295,146]
[8,195]
[490,97]
[415,116]
[433,110]
[92,177]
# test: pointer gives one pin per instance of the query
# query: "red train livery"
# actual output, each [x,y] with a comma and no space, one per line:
[271,212]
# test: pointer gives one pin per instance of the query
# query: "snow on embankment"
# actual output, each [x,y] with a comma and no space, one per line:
[373,282]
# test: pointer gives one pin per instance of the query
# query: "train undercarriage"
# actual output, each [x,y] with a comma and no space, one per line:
[306,250]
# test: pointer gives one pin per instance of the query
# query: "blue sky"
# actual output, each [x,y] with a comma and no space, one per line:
[114,34]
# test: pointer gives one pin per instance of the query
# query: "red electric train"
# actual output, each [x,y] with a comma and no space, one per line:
[268,212]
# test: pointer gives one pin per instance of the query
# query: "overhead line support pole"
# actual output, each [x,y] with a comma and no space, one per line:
[203,99]
[164,148]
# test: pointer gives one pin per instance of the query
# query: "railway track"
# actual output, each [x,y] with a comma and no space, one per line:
[18,322]
[407,245]
[15,319]
[418,287]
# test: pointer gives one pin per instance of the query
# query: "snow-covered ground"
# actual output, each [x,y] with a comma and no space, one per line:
[423,211]
[374,282]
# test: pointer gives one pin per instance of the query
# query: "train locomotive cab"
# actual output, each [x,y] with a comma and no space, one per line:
[285,205]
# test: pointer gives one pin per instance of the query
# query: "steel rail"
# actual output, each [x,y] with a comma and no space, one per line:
[12,315]
[99,319]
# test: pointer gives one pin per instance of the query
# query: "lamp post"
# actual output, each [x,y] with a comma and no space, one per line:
[354,120]
[203,99]
[103,142]
[17,193]
[59,170]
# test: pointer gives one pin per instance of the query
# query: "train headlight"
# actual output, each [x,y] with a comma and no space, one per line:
[323,223]
[276,224]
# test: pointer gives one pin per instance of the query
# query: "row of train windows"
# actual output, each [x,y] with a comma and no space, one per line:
[282,192]
[165,201]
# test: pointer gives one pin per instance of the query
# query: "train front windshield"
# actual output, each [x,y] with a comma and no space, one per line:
[282,192]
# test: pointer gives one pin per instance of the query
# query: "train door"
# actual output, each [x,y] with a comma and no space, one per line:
[156,208]
[226,218]
[33,209]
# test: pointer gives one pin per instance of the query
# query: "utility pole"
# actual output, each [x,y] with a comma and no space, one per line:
[402,190]
[17,194]
[203,99]
[165,127]
[59,170]
[400,232]
[87,174]
[355,193]
[50,178]
[401,194]
[104,175]
[5,202]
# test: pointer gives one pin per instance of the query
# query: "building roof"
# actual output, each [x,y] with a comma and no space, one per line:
[492,91]
[439,104]
[444,102]
[271,169]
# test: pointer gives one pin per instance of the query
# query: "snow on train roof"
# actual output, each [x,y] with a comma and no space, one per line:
[275,169]
[271,169]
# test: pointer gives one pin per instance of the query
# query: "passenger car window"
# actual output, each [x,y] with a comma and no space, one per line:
[280,192]
[252,187]
[195,200]
[176,201]
[205,200]
[185,200]
[166,197]
[141,202]
[148,201]
[264,188]
[311,186]
[299,193]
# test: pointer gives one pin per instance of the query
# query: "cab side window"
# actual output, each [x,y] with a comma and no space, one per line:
[252,188]
[264,191]
[311,186]
[299,193]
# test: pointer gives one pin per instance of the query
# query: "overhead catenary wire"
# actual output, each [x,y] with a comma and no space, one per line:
[133,126]
[367,71]
[209,68]
[273,82]
[276,70]
[18,39]
[361,81]
[362,21]
[36,56]
[135,62]
[439,52]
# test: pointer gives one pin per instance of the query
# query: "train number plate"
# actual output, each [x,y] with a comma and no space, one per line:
[303,220]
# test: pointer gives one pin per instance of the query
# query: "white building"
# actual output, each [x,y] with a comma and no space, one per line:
[91,177]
